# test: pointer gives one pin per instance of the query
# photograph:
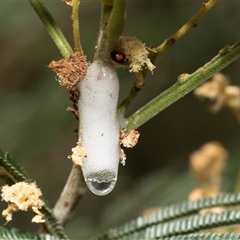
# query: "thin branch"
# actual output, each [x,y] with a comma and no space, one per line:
[185,84]
[105,14]
[155,52]
[112,16]
[135,89]
[75,186]
[112,23]
[74,189]
[52,28]
[116,22]
[76,28]
[206,7]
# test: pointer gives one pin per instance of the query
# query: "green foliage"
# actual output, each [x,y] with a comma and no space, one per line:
[177,222]
[179,219]
[15,234]
[52,28]
[173,228]
[206,236]
[14,172]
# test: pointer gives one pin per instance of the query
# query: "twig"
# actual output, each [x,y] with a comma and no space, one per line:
[155,52]
[134,90]
[74,189]
[105,13]
[116,22]
[185,84]
[206,7]
[112,23]
[75,186]
[76,30]
[52,28]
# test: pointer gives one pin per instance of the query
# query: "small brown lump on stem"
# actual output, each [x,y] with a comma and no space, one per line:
[70,70]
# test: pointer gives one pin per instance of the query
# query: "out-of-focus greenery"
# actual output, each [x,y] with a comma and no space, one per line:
[39,133]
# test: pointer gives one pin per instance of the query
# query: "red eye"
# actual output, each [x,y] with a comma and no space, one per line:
[119,57]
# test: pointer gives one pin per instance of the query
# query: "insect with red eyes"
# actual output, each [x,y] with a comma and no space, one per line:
[119,57]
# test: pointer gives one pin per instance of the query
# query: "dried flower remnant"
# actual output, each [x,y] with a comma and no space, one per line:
[74,97]
[200,193]
[132,51]
[232,94]
[219,90]
[68,2]
[74,111]
[207,164]
[150,211]
[195,194]
[70,70]
[122,157]
[78,154]
[216,210]
[129,140]
[22,196]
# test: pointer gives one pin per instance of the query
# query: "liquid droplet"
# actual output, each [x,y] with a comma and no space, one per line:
[101,183]
[101,188]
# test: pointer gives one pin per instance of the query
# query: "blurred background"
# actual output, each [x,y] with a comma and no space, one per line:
[38,132]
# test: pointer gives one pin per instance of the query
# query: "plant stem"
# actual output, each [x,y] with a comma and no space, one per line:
[154,53]
[52,28]
[206,7]
[74,188]
[105,13]
[183,86]
[116,22]
[134,90]
[76,29]
[112,23]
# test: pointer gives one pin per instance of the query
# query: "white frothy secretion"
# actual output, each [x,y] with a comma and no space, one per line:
[99,127]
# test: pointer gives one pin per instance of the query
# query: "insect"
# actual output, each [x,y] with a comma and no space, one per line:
[119,57]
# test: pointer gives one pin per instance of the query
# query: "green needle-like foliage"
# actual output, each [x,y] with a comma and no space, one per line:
[206,236]
[15,234]
[177,222]
[52,28]
[12,170]
[178,227]
[15,173]
[169,221]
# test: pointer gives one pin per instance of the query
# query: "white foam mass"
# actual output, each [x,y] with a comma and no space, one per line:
[99,127]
